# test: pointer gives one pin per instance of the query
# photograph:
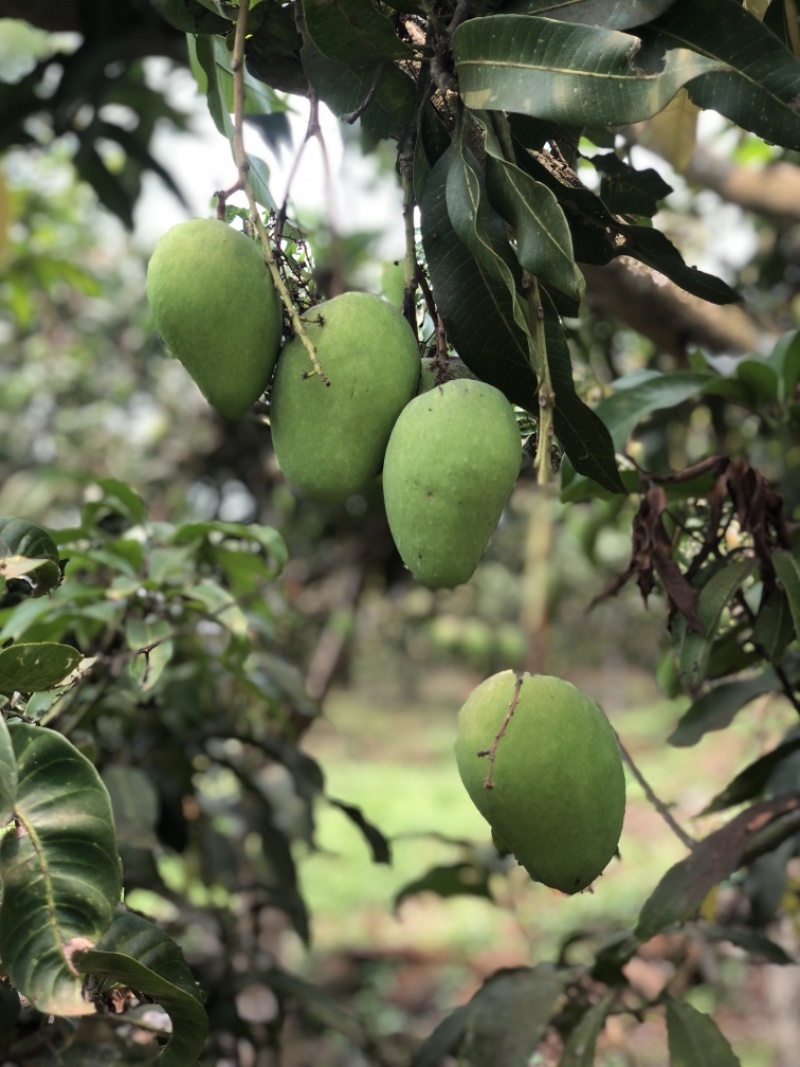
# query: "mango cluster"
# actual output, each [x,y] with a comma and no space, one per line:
[447,443]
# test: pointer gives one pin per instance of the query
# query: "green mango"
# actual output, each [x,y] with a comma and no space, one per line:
[432,374]
[451,463]
[554,794]
[330,440]
[216,308]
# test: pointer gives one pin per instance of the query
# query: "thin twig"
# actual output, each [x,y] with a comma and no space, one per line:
[243,165]
[354,116]
[491,751]
[658,804]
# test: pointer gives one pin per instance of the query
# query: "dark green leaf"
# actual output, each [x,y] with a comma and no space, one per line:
[475,307]
[716,709]
[774,628]
[459,879]
[112,193]
[30,667]
[511,1013]
[685,885]
[579,1047]
[715,597]
[344,89]
[575,75]
[695,1039]
[60,870]
[627,191]
[137,954]
[752,781]
[352,32]
[445,1039]
[20,543]
[8,774]
[582,433]
[752,941]
[378,844]
[755,83]
[787,568]
[610,14]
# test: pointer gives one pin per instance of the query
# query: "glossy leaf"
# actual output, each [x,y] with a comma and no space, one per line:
[8,774]
[136,954]
[579,1048]
[611,14]
[755,84]
[458,879]
[60,870]
[572,74]
[787,568]
[482,232]
[695,1039]
[352,32]
[475,307]
[582,433]
[30,667]
[344,89]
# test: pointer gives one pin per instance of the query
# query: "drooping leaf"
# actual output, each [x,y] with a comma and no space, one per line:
[684,887]
[752,781]
[344,89]
[458,879]
[60,870]
[511,1012]
[787,568]
[715,709]
[475,307]
[8,774]
[580,430]
[610,14]
[754,942]
[579,1048]
[755,82]
[352,32]
[627,191]
[482,232]
[715,597]
[695,1039]
[378,843]
[774,627]
[30,667]
[572,74]
[135,953]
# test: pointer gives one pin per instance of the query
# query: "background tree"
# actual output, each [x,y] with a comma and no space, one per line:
[167,657]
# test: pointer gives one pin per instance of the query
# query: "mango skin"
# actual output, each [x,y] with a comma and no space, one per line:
[558,799]
[330,440]
[431,370]
[215,306]
[451,463]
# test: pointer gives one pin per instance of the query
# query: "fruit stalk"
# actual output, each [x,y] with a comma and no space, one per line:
[243,167]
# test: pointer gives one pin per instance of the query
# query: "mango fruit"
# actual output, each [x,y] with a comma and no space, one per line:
[431,372]
[553,790]
[330,440]
[451,463]
[215,306]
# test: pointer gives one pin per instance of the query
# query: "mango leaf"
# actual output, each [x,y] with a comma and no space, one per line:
[581,431]
[695,1039]
[352,32]
[751,781]
[572,74]
[715,710]
[482,231]
[210,62]
[752,941]
[510,1014]
[580,1045]
[8,774]
[344,89]
[135,953]
[611,14]
[30,667]
[627,191]
[476,308]
[59,868]
[755,81]
[458,879]
[445,1039]
[541,231]
[715,596]
[378,844]
[686,885]
[787,568]
[774,627]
